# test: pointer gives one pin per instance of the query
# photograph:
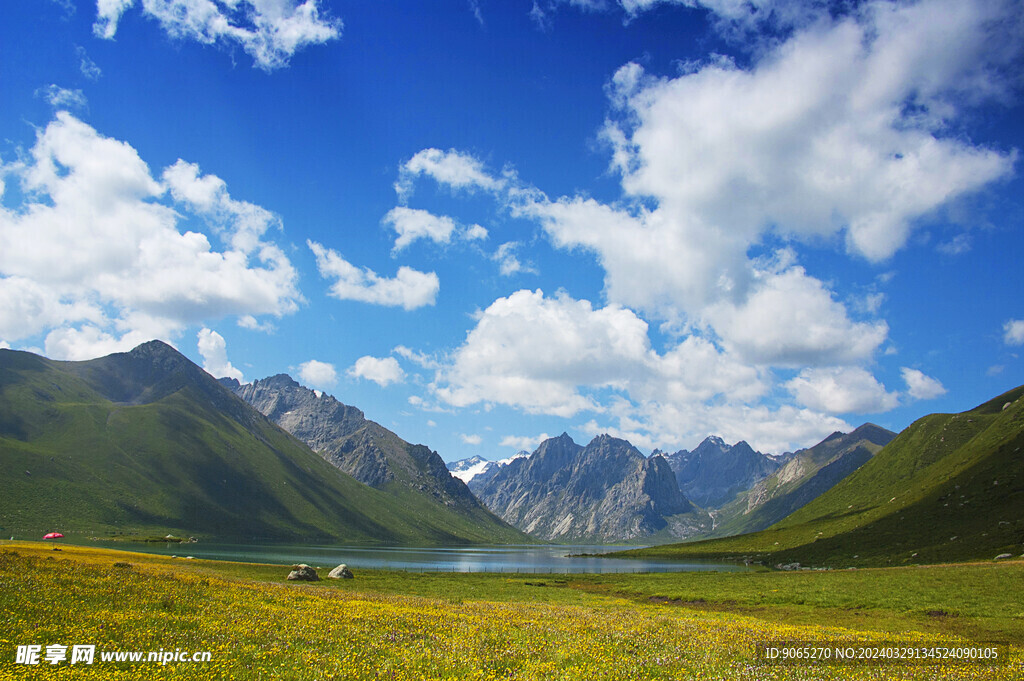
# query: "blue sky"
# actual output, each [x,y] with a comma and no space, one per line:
[485,222]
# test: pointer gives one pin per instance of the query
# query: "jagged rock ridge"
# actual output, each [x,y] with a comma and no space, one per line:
[715,472]
[362,448]
[606,491]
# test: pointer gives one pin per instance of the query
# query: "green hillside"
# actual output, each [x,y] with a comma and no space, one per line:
[807,475]
[948,488]
[146,443]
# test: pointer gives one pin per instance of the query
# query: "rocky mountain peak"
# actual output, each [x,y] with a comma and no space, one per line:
[715,472]
[605,491]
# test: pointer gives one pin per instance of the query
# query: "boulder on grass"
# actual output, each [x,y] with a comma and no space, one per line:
[341,572]
[303,573]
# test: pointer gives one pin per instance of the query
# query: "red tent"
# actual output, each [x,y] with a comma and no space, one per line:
[53,535]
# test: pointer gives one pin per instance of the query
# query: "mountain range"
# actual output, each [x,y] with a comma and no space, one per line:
[715,472]
[605,491]
[608,492]
[950,487]
[147,443]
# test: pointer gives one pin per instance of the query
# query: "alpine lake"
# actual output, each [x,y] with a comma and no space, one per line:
[515,559]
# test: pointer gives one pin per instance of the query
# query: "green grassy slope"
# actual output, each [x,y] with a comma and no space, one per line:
[180,455]
[948,488]
[808,475]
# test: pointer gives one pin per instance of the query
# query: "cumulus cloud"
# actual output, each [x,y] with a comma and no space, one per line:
[100,259]
[844,129]
[470,439]
[214,352]
[409,288]
[1013,332]
[551,355]
[921,386]
[382,371]
[791,319]
[413,223]
[317,374]
[838,129]
[563,357]
[270,31]
[532,352]
[454,169]
[841,390]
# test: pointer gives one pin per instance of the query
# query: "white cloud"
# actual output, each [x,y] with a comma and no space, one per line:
[317,374]
[817,136]
[63,98]
[470,439]
[542,355]
[845,128]
[475,233]
[474,6]
[409,289]
[253,324]
[270,31]
[423,405]
[454,169]
[100,260]
[214,352]
[1013,332]
[382,371]
[418,358]
[413,223]
[674,425]
[791,319]
[508,260]
[86,65]
[746,15]
[958,245]
[108,13]
[561,356]
[841,390]
[920,386]
[524,442]
[88,342]
[532,352]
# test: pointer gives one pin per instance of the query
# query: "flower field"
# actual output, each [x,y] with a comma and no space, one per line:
[264,630]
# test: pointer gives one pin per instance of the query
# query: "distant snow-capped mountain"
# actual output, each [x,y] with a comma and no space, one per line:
[479,468]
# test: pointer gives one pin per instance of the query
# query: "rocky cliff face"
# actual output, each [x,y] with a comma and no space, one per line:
[606,491]
[714,472]
[364,449]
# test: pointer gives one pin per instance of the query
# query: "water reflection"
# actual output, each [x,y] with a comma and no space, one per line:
[507,559]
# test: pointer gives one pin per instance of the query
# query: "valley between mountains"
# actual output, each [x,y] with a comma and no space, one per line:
[146,443]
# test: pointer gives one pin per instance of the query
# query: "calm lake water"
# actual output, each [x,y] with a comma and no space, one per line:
[513,559]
